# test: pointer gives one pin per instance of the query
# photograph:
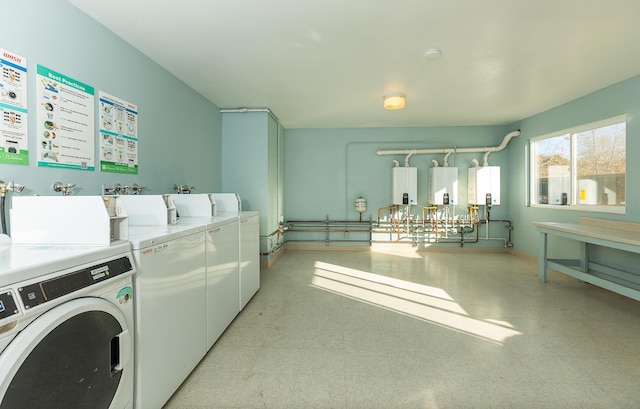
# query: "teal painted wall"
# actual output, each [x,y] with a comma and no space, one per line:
[327,169]
[250,163]
[244,164]
[623,97]
[179,130]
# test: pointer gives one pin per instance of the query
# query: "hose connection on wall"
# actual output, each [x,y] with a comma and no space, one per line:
[4,189]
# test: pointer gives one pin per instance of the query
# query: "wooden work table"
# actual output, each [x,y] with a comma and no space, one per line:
[598,232]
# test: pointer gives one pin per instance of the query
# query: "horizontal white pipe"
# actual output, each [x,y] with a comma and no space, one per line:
[243,110]
[498,148]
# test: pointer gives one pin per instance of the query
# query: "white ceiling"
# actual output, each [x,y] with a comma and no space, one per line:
[328,63]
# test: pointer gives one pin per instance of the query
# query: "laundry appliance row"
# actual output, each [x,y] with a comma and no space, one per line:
[189,273]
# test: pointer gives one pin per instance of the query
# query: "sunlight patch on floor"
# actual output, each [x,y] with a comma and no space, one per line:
[400,251]
[423,302]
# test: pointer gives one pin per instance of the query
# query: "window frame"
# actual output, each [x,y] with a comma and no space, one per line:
[532,168]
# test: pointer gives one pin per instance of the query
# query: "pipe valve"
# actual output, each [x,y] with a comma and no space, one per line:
[137,189]
[183,189]
[10,187]
[119,189]
[64,188]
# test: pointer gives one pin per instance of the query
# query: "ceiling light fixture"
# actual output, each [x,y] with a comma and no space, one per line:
[432,53]
[394,101]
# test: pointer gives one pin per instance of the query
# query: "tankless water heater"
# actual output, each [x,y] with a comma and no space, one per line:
[404,186]
[483,184]
[443,186]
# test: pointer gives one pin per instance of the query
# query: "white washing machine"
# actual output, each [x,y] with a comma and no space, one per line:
[66,327]
[249,256]
[249,243]
[170,308]
[222,237]
[223,275]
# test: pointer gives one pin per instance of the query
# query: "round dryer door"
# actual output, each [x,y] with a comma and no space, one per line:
[72,356]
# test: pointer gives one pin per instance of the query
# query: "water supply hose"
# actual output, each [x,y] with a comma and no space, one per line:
[2,213]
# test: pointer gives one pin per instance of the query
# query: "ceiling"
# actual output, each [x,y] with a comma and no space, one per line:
[328,63]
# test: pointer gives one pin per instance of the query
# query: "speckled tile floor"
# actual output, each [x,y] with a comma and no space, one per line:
[356,329]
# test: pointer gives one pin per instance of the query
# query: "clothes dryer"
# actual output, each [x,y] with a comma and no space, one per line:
[66,327]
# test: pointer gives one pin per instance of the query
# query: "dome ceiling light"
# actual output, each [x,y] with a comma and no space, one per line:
[394,101]
[432,53]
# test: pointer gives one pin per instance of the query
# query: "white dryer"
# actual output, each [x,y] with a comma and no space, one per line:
[66,327]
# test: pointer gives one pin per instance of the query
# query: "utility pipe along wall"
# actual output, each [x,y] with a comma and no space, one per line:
[438,223]
[437,227]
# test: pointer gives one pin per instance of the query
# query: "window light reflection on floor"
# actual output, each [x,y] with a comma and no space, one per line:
[419,301]
[397,251]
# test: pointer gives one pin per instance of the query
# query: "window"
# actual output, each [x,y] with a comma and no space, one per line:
[583,167]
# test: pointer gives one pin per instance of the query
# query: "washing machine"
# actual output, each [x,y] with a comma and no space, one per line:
[170,308]
[223,274]
[249,243]
[222,241]
[249,256]
[66,327]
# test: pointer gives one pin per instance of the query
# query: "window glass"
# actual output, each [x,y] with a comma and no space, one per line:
[601,162]
[553,158]
[583,167]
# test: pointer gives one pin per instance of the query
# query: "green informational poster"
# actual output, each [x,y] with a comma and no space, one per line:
[14,144]
[65,121]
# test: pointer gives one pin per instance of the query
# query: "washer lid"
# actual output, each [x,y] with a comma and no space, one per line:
[22,263]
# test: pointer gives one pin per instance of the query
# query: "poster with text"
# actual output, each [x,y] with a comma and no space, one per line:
[14,143]
[65,121]
[118,135]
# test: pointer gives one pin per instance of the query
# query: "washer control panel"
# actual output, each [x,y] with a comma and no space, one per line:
[50,289]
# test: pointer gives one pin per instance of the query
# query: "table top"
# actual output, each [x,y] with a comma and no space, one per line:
[595,232]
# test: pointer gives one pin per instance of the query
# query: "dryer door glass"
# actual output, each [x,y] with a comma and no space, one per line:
[71,367]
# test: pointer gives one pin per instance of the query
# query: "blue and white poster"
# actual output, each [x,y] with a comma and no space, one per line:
[14,144]
[118,135]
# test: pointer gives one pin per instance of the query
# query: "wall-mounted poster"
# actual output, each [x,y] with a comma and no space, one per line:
[65,121]
[118,135]
[14,144]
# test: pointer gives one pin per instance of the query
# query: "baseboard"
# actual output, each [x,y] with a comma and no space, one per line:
[273,259]
[524,256]
[398,248]
[297,247]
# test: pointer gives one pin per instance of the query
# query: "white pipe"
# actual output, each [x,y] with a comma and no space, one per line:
[498,148]
[446,159]
[396,163]
[435,163]
[475,163]
[485,162]
[406,159]
[243,110]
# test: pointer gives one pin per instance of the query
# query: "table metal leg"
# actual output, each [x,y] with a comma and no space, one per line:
[584,257]
[542,258]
